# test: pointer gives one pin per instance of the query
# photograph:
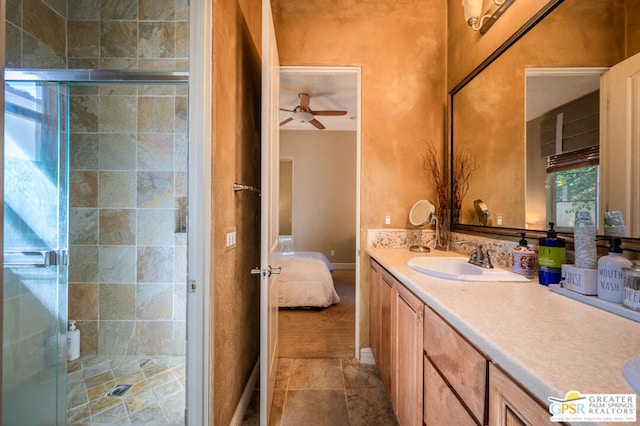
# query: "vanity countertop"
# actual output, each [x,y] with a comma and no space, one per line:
[551,344]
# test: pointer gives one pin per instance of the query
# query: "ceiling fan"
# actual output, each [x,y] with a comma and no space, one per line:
[304,114]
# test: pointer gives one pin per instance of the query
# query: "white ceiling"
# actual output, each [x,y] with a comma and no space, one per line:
[548,91]
[328,90]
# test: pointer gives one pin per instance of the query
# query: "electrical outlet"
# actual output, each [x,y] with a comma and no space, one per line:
[333,252]
[499,220]
[387,220]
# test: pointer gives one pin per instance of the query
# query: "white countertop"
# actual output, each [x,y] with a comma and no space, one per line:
[549,343]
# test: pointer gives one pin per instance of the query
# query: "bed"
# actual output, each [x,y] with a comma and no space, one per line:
[305,280]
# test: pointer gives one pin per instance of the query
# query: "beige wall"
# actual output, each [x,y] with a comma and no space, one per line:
[235,157]
[324,191]
[400,46]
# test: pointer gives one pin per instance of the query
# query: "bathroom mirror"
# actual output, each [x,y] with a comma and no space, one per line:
[420,215]
[488,108]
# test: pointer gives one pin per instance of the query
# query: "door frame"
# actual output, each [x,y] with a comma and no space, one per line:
[199,250]
[358,71]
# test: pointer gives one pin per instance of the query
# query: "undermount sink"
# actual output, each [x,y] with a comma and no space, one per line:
[631,372]
[458,269]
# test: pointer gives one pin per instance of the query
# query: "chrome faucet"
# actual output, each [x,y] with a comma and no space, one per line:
[479,256]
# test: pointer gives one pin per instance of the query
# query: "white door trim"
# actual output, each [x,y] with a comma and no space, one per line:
[199,232]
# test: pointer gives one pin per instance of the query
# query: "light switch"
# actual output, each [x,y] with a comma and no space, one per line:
[230,239]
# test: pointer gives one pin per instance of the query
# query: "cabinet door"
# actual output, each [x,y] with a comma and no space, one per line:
[509,405]
[407,357]
[374,309]
[441,405]
[385,295]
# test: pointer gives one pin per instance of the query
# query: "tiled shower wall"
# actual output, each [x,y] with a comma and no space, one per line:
[128,154]
[98,34]
[127,271]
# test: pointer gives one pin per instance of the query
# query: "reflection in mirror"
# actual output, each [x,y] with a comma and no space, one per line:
[562,145]
[489,118]
[285,197]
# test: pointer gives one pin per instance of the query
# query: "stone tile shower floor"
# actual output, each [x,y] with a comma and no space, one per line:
[156,395]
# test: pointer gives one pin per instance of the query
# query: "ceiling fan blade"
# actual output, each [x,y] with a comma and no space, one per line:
[304,101]
[329,112]
[288,110]
[286,121]
[317,124]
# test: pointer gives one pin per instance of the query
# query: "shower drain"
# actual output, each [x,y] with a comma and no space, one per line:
[119,390]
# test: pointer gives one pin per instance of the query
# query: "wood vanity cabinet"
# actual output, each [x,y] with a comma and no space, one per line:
[374,307]
[397,343]
[407,357]
[456,362]
[381,297]
[434,376]
[510,405]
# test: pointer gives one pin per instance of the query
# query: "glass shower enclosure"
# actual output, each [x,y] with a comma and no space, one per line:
[36,241]
[35,253]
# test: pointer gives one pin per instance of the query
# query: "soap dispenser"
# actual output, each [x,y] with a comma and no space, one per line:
[73,342]
[551,257]
[611,274]
[523,258]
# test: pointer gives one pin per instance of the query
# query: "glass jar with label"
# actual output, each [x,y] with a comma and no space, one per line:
[632,286]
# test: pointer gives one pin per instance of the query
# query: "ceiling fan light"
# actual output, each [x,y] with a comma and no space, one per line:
[303,116]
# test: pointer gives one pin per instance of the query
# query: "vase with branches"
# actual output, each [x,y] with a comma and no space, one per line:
[464,165]
[441,185]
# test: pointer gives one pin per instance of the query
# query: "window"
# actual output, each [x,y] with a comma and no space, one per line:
[572,185]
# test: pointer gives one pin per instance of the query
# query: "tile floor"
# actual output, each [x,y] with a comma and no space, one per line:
[326,391]
[156,396]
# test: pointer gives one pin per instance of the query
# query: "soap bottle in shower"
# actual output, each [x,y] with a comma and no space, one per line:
[611,273]
[73,342]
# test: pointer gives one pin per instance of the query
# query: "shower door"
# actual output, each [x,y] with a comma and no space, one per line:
[35,247]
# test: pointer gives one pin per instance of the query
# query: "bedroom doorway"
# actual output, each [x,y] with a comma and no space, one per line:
[319,201]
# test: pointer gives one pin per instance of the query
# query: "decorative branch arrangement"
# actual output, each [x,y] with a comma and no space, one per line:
[432,165]
[464,164]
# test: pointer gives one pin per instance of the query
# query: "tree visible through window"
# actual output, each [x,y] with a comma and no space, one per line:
[573,190]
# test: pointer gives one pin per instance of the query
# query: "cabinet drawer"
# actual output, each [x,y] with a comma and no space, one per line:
[459,362]
[509,404]
[387,278]
[441,406]
[374,265]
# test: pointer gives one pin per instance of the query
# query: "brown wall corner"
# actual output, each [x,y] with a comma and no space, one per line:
[236,158]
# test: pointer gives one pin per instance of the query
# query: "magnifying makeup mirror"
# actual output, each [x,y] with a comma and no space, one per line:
[482,212]
[420,215]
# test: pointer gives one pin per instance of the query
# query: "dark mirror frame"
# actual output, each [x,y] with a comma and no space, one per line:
[512,234]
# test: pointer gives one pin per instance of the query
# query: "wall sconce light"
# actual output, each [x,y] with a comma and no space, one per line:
[479,21]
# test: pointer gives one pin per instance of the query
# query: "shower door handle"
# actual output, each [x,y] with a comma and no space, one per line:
[35,258]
